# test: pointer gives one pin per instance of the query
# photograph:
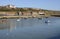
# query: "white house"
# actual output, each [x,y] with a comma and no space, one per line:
[41,13]
[10,6]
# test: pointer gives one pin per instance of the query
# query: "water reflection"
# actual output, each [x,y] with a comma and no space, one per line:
[12,23]
[29,28]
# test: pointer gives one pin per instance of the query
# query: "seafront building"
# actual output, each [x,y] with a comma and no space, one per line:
[10,6]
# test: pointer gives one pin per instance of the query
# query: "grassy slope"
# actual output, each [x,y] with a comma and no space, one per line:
[28,9]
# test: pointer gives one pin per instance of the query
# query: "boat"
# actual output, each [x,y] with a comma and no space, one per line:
[48,21]
[18,19]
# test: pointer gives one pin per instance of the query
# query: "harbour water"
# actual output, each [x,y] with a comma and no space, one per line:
[31,28]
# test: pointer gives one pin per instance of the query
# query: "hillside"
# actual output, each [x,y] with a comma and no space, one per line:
[11,8]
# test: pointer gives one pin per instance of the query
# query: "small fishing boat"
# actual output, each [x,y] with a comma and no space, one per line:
[48,21]
[18,19]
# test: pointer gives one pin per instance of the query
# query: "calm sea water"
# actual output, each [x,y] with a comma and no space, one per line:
[31,28]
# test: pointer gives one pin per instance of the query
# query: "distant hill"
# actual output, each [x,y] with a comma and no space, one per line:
[16,9]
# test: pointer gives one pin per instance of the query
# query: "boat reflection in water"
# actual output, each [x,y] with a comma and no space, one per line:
[31,28]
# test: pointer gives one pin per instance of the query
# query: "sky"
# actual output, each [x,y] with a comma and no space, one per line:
[43,4]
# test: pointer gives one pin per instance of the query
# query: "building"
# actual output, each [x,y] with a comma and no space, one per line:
[10,6]
[41,13]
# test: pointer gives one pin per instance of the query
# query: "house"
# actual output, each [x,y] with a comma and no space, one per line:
[41,13]
[10,6]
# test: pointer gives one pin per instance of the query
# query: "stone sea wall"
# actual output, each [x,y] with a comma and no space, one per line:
[28,13]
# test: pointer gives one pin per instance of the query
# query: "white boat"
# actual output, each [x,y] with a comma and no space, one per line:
[18,19]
